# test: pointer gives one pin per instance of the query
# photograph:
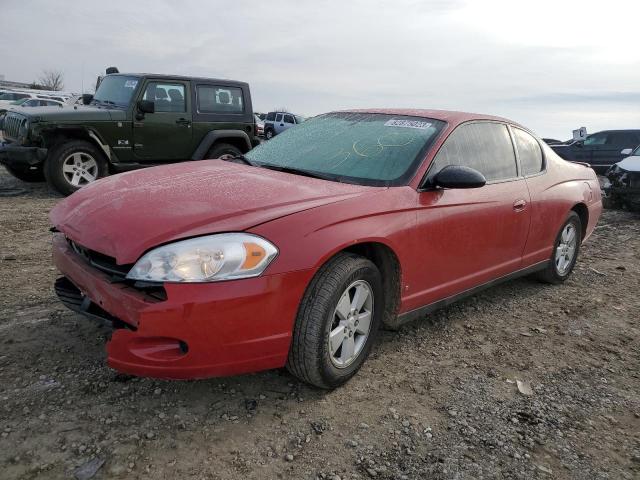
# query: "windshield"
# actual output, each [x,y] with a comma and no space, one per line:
[636,152]
[19,102]
[115,90]
[363,148]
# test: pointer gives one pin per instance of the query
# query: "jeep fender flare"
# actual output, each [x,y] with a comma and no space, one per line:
[215,135]
[71,132]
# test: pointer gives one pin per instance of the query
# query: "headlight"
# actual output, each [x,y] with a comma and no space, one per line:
[224,256]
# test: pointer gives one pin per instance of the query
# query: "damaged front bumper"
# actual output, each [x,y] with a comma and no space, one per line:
[199,330]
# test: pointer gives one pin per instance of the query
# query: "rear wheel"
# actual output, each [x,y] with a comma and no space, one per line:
[27,175]
[73,165]
[220,149]
[565,251]
[337,321]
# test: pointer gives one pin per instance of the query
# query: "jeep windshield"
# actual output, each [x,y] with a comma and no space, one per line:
[115,91]
[363,148]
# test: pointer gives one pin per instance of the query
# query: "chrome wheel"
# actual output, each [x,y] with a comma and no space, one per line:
[566,249]
[351,324]
[80,169]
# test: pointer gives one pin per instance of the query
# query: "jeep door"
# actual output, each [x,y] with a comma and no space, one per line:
[166,134]
[468,237]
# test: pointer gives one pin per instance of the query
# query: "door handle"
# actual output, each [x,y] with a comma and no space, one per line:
[183,121]
[519,205]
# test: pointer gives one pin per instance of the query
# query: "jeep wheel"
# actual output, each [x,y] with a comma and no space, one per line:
[268,134]
[26,175]
[220,149]
[73,165]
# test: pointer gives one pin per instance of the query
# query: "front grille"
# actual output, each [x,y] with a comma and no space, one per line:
[12,124]
[104,263]
[118,273]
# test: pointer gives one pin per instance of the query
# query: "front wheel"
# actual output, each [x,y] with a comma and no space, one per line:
[221,149]
[337,321]
[565,251]
[268,134]
[73,165]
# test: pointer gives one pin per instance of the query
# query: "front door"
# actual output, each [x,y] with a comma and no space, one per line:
[468,237]
[165,135]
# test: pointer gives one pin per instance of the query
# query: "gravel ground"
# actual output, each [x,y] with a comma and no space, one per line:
[440,399]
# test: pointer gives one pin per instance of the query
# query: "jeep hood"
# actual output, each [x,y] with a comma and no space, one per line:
[68,113]
[127,214]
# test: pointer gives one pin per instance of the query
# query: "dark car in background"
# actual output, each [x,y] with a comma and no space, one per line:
[600,149]
[132,121]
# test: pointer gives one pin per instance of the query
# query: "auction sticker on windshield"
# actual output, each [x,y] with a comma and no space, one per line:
[397,122]
[130,84]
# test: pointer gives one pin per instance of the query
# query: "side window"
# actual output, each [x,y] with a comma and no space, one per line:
[485,146]
[289,119]
[623,139]
[271,116]
[219,99]
[596,139]
[168,97]
[278,117]
[529,152]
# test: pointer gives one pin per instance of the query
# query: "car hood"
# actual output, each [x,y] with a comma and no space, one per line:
[70,113]
[127,214]
[630,164]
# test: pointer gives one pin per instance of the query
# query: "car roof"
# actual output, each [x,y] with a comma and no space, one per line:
[181,77]
[449,116]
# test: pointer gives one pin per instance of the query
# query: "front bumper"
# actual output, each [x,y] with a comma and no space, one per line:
[200,330]
[21,158]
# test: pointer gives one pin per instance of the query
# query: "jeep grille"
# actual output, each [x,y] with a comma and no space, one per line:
[12,123]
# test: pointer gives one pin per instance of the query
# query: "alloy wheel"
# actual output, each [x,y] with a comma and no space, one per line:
[566,249]
[351,324]
[80,169]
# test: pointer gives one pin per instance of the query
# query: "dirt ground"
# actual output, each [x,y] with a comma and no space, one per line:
[437,400]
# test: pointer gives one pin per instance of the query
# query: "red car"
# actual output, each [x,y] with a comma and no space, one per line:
[297,253]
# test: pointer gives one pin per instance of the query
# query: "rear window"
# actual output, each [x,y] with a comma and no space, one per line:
[529,152]
[213,99]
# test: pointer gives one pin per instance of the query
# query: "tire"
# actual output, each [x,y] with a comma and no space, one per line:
[553,273]
[269,133]
[311,357]
[220,149]
[74,164]
[27,175]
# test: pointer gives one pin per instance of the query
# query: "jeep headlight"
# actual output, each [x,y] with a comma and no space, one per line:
[211,258]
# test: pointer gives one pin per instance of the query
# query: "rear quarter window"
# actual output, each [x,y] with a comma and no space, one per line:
[219,99]
[529,152]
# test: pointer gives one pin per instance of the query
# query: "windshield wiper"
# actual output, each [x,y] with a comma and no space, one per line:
[297,171]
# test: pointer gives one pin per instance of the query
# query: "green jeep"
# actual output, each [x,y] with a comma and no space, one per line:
[132,121]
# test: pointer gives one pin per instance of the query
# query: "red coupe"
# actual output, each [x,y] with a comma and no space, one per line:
[297,253]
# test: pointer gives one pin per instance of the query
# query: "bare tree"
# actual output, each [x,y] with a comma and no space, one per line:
[51,80]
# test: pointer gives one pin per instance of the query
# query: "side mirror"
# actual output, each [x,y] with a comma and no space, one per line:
[86,98]
[626,151]
[146,106]
[459,176]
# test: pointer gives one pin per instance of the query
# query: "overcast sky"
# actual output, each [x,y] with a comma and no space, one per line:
[550,65]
